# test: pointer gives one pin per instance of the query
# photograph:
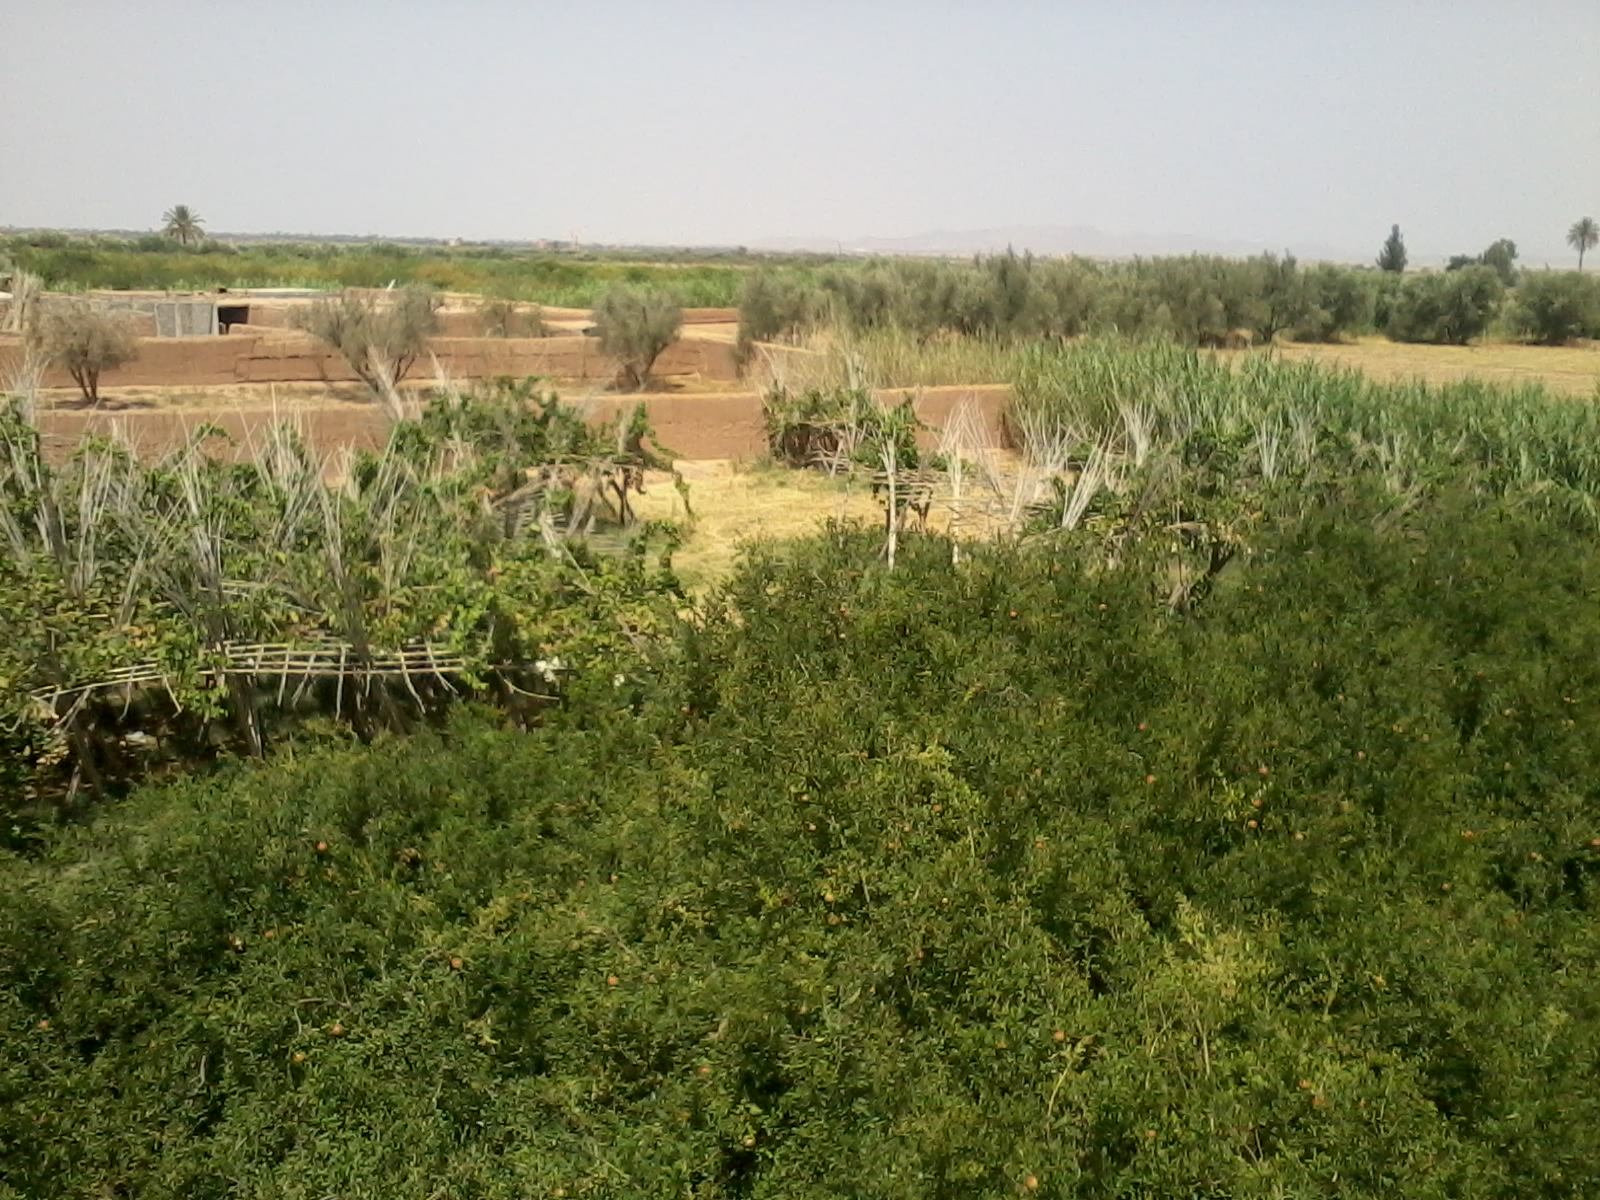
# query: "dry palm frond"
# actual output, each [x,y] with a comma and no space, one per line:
[383,377]
[25,290]
[25,380]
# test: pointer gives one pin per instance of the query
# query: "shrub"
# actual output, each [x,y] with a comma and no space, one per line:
[940,883]
[839,428]
[1337,302]
[21,309]
[380,337]
[1450,308]
[635,324]
[85,341]
[1555,307]
[772,307]
[505,318]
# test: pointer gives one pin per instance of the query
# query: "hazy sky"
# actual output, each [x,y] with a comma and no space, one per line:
[1291,123]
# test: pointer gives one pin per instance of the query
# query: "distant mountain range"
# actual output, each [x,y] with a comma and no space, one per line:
[1052,240]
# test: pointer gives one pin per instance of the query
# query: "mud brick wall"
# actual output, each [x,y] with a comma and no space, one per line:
[705,426]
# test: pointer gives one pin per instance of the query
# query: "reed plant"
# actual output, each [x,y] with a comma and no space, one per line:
[161,586]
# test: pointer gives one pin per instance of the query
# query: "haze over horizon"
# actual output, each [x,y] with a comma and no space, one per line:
[712,123]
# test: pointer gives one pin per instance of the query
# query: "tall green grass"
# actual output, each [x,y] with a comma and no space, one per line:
[1144,399]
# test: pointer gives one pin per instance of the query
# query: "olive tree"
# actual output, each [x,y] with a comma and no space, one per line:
[1450,308]
[635,325]
[85,341]
[1555,307]
[380,337]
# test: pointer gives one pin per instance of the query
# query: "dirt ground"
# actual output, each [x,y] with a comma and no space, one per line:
[734,504]
[264,397]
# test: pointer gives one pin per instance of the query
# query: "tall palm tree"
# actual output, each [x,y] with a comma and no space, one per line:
[1584,235]
[183,223]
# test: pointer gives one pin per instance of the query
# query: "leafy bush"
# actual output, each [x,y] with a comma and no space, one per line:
[84,340]
[772,307]
[961,883]
[1450,308]
[839,428]
[1556,307]
[1006,877]
[1337,302]
[635,325]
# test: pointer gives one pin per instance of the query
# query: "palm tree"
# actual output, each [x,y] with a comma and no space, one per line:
[1584,235]
[183,223]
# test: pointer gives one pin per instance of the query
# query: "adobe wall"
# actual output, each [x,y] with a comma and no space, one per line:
[257,354]
[266,315]
[693,356]
[162,362]
[459,321]
[705,426]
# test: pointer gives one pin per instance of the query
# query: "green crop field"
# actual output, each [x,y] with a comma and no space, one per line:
[561,279]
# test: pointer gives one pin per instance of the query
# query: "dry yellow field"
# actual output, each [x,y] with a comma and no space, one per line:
[736,504]
[1565,370]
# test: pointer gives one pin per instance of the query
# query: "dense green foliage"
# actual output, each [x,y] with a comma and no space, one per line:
[1555,307]
[1450,308]
[544,277]
[1199,300]
[1500,257]
[932,883]
[1195,300]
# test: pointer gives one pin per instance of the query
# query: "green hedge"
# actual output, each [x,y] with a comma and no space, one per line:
[933,883]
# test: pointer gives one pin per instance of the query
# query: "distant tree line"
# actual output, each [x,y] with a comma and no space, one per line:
[1196,300]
